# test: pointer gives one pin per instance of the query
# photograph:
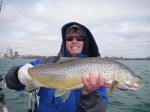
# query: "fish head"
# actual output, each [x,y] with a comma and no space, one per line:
[128,80]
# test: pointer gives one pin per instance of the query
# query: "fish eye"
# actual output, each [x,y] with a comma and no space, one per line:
[127,82]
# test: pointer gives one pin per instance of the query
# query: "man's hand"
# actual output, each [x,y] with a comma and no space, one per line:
[92,85]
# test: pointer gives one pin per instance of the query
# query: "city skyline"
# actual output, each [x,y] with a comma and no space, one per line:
[9,54]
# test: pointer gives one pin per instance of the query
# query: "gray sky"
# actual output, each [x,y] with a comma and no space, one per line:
[120,27]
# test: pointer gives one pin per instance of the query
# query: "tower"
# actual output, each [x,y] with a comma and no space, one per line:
[9,52]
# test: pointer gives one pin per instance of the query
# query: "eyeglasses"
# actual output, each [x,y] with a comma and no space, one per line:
[78,38]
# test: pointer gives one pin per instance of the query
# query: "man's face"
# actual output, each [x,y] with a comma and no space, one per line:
[74,46]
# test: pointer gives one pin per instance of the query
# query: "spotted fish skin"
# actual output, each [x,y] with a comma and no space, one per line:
[66,74]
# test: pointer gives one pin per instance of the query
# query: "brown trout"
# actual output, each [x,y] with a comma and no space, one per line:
[65,75]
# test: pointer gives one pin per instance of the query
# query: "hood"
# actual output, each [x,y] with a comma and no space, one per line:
[90,47]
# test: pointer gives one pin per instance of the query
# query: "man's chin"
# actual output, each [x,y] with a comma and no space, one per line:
[75,52]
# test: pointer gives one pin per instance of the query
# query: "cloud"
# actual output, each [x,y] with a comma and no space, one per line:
[121,28]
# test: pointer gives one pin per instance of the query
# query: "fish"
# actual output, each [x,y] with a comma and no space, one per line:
[65,75]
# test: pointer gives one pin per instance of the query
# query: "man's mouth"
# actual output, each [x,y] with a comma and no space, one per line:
[74,48]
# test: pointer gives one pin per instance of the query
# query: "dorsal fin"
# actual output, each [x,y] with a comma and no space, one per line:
[66,59]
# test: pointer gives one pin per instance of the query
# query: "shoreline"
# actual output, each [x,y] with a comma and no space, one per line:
[102,57]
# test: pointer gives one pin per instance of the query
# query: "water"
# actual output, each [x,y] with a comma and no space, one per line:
[119,101]
[133,101]
[16,101]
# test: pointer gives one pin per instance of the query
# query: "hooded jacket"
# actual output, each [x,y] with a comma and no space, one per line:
[90,47]
[93,102]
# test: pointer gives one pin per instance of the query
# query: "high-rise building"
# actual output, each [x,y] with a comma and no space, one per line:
[9,52]
[1,55]
[16,54]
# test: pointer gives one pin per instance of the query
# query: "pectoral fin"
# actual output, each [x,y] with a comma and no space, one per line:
[113,86]
[63,93]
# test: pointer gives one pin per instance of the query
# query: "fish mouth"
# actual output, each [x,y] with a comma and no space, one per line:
[136,86]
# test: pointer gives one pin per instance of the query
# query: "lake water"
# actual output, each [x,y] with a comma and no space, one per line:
[119,101]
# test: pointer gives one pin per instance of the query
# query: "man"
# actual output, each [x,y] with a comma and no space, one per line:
[77,42]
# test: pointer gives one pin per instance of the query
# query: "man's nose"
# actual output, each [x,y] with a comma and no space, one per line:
[74,40]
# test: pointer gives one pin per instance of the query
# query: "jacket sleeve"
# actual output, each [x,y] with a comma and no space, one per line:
[11,77]
[12,80]
[92,102]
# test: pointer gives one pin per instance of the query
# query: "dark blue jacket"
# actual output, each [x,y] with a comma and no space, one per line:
[94,102]
[50,104]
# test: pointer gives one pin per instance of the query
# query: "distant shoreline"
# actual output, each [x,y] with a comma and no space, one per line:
[38,57]
[132,59]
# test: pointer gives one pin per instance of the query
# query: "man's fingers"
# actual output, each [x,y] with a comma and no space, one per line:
[92,84]
[92,80]
[86,85]
[100,80]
